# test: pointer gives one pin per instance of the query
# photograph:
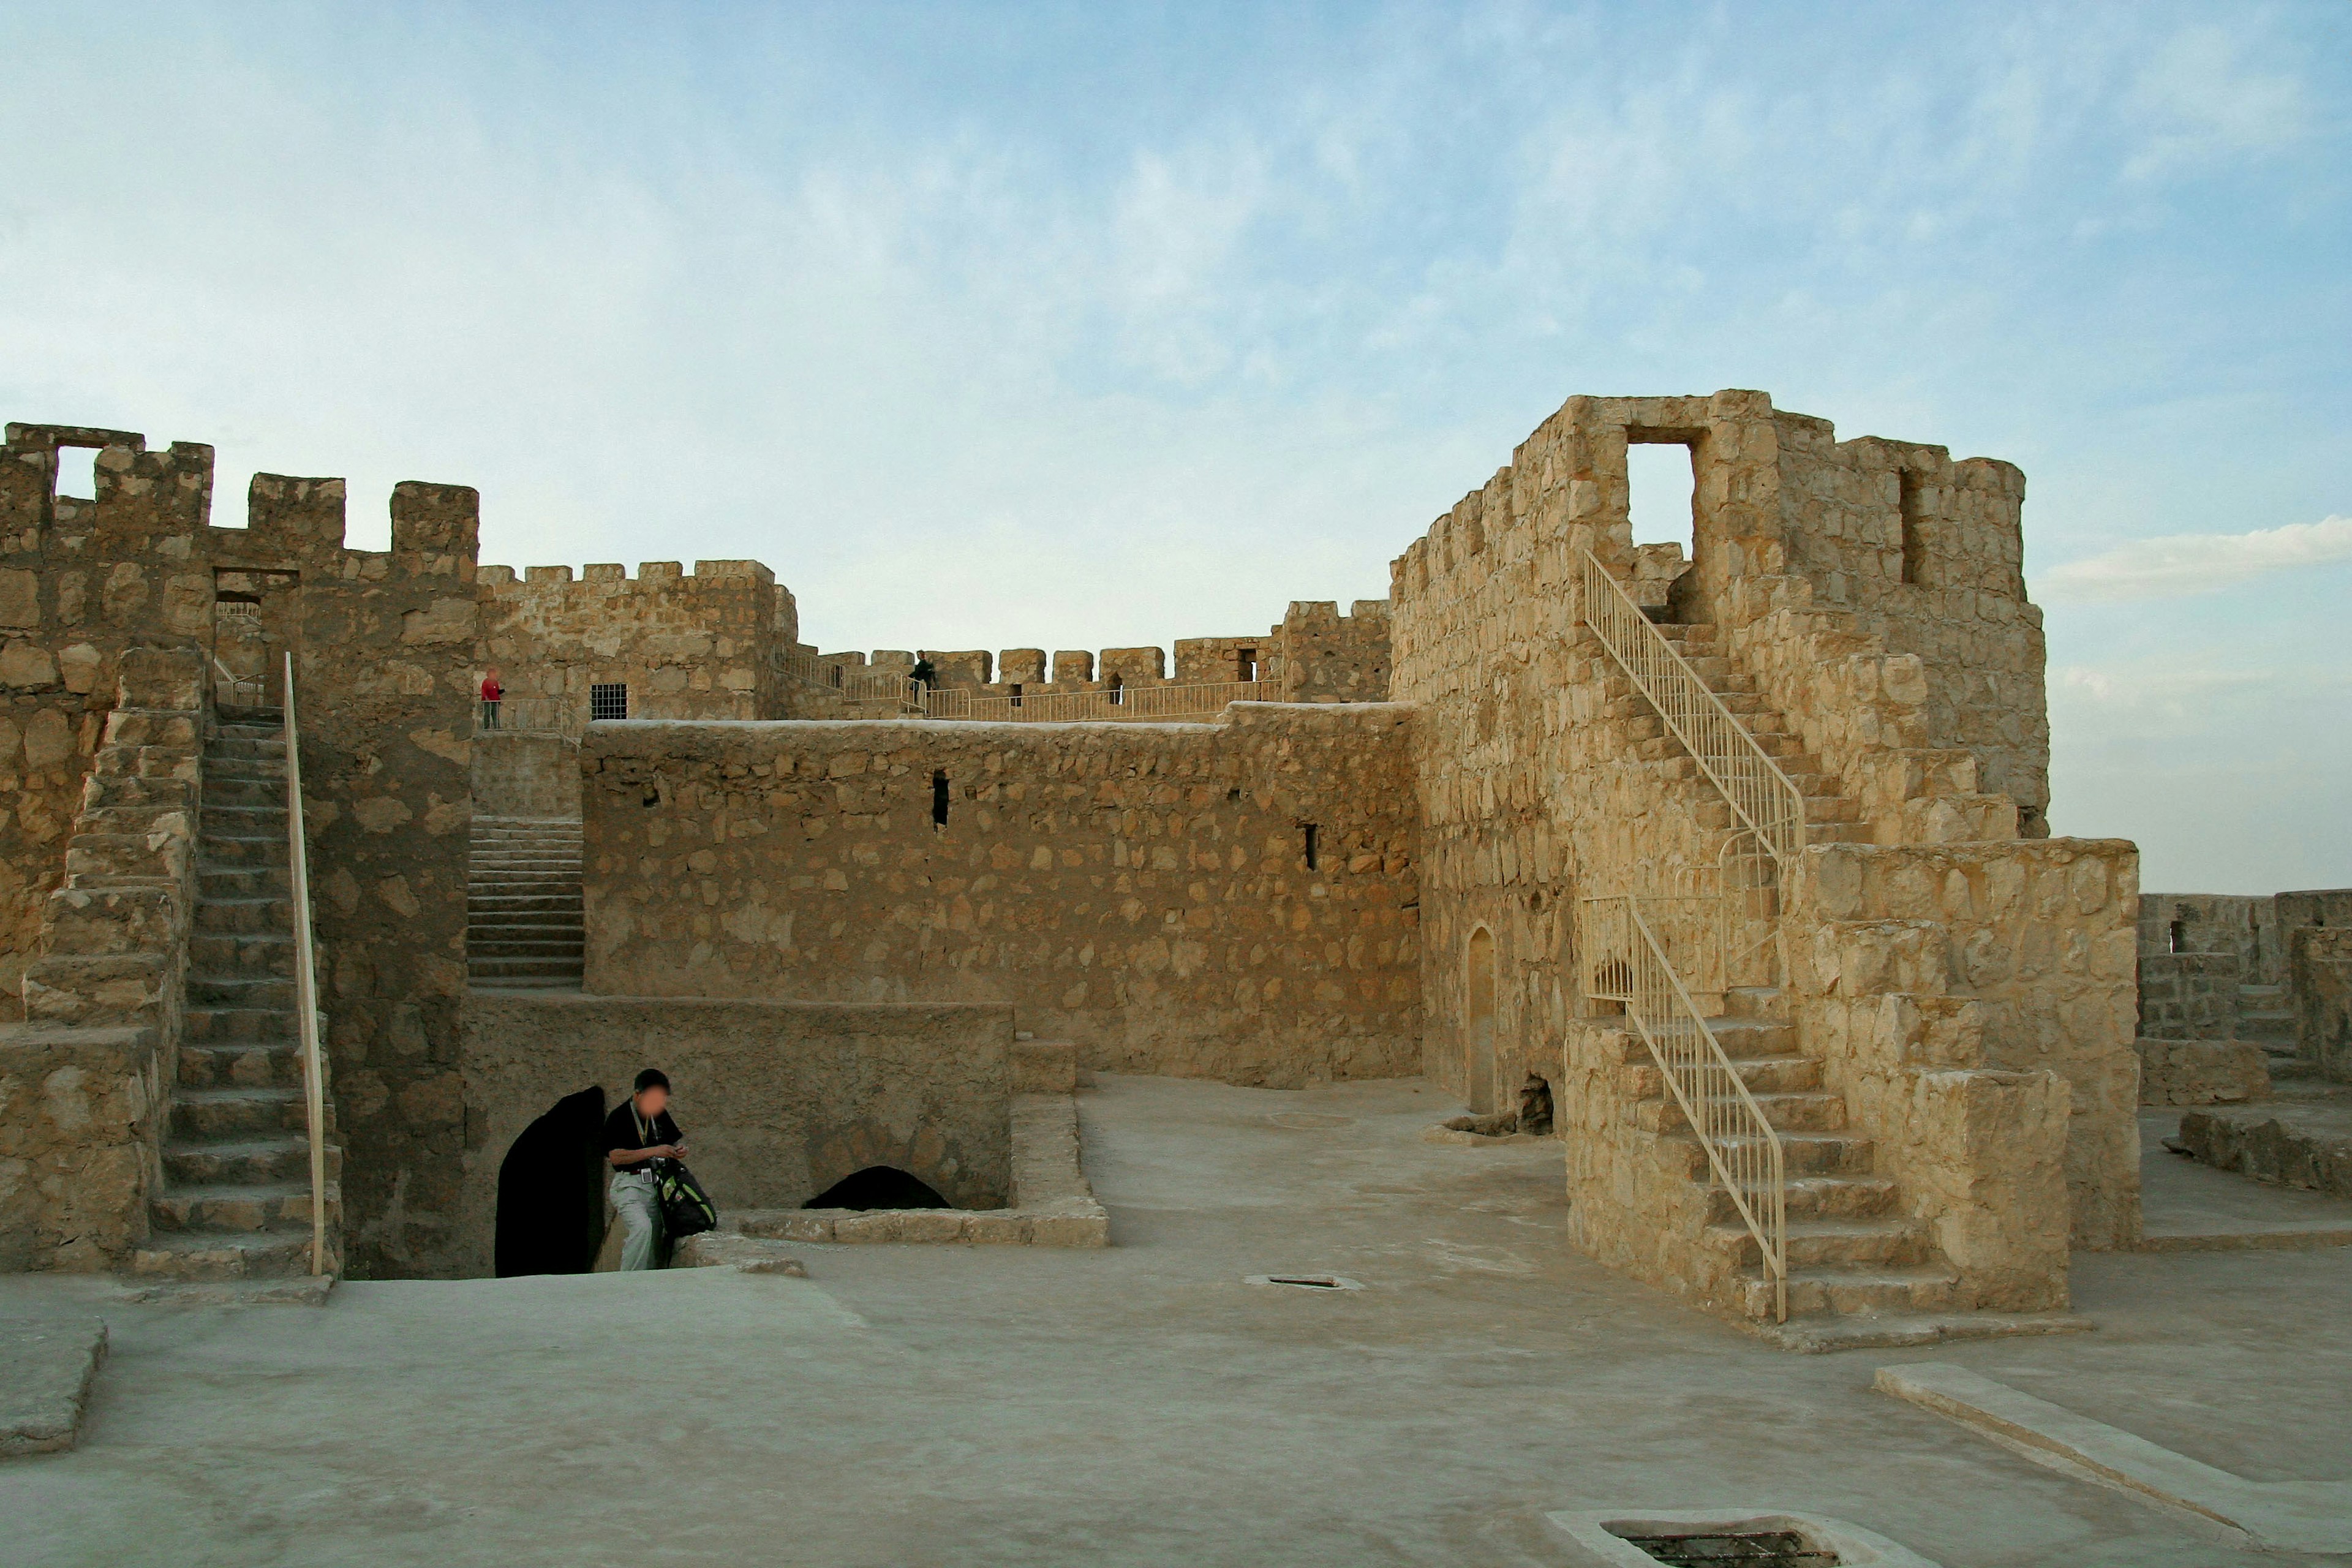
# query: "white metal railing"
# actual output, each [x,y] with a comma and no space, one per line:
[538,715]
[851,683]
[1622,960]
[306,985]
[1763,798]
[238,690]
[1134,704]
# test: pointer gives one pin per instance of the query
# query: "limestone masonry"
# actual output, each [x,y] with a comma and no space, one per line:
[1682,856]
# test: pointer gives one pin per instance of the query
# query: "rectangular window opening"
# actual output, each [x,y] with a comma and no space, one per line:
[77,473]
[1016,694]
[608,700]
[1915,550]
[1307,833]
[1661,494]
[940,790]
[1247,662]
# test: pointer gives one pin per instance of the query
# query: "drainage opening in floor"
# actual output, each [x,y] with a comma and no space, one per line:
[1305,1281]
[1753,1549]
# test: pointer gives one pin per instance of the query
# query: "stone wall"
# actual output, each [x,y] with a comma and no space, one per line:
[2320,965]
[521,773]
[778,1100]
[1911,964]
[1142,889]
[2189,995]
[385,655]
[710,644]
[1327,657]
[2243,928]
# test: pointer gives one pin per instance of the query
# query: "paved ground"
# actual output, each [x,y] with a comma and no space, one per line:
[2182,1199]
[909,1406]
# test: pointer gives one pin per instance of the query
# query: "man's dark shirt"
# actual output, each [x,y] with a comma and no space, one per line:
[621,1133]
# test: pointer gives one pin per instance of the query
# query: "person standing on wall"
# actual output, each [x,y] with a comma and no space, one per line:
[491,692]
[925,674]
[638,1133]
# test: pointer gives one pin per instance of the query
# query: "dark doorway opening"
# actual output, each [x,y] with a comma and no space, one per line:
[552,1191]
[878,1187]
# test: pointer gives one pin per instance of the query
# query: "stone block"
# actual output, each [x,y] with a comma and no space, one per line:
[2201,1072]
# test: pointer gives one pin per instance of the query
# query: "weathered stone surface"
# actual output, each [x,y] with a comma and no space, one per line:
[1143,890]
[46,1372]
[2201,1072]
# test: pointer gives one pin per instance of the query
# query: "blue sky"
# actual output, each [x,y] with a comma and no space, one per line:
[1101,324]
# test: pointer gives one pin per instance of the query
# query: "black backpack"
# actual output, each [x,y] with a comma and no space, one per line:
[685,1208]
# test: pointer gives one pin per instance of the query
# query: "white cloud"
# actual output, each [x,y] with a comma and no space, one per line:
[2181,565]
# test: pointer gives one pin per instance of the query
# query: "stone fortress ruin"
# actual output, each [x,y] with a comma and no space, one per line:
[1729,870]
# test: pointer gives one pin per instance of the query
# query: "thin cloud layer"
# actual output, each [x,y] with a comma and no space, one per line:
[2180,565]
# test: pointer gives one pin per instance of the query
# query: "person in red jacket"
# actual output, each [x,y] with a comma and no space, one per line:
[491,692]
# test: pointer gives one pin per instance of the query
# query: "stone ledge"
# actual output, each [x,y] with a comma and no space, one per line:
[46,1377]
[2201,1072]
[1895,1331]
[2286,1144]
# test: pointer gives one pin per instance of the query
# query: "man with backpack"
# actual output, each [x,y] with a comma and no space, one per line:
[638,1133]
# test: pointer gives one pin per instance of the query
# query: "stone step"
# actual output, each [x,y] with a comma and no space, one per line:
[230,1023]
[275,1206]
[252,748]
[1828,1244]
[255,916]
[242,1162]
[1799,1112]
[242,1064]
[1802,1154]
[1923,1288]
[215,881]
[243,850]
[528,908]
[514,969]
[1818,1197]
[526,982]
[225,790]
[1762,1074]
[224,1253]
[239,991]
[512,947]
[245,954]
[1761,1002]
[199,1114]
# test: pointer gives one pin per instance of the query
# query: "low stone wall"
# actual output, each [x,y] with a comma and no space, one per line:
[526,774]
[2189,995]
[2201,1072]
[1232,901]
[778,1100]
[2289,1146]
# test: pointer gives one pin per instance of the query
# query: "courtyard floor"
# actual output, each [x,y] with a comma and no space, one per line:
[912,1405]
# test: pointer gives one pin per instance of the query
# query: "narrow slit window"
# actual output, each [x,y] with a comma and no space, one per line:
[608,700]
[938,800]
[1308,835]
[2179,935]
[1914,549]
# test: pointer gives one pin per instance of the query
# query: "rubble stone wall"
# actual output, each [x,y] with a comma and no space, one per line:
[2320,963]
[1142,890]
[2245,928]
[778,1100]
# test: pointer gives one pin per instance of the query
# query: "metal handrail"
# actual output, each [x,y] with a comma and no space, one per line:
[1623,961]
[1132,704]
[306,985]
[1761,797]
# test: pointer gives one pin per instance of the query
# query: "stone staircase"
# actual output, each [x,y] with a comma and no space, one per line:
[523,920]
[1851,1252]
[236,1198]
[1830,817]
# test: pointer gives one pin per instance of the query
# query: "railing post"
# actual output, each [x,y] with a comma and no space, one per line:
[306,983]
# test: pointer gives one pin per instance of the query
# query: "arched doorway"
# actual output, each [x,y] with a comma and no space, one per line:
[878,1187]
[552,1191]
[1478,1021]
